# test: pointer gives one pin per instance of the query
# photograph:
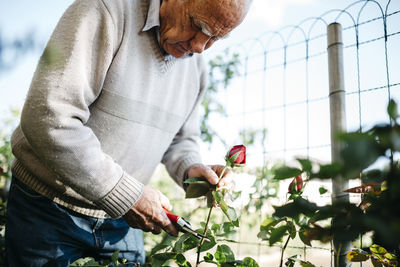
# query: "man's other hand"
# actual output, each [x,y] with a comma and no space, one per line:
[148,214]
[211,174]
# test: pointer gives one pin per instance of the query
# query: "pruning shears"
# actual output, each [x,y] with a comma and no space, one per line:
[183,225]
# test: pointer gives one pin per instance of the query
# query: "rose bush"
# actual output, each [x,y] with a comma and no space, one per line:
[378,213]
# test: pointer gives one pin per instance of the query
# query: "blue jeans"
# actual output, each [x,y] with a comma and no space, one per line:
[40,232]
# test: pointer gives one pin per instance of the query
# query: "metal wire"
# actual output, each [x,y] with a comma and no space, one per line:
[309,37]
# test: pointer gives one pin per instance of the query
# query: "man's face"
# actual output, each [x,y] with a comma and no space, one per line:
[192,26]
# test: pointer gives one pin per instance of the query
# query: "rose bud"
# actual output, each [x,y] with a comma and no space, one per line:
[296,184]
[236,156]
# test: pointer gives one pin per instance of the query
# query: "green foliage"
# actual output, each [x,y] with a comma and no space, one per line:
[378,213]
[378,256]
[198,187]
[113,261]
[293,259]
[285,172]
[392,110]
[228,211]
[224,254]
[322,190]
[6,158]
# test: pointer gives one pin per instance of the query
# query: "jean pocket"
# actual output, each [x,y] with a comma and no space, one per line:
[23,188]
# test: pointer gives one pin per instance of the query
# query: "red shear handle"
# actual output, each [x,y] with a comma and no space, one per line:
[172,217]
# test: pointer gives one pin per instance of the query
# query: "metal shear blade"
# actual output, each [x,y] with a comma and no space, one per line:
[196,234]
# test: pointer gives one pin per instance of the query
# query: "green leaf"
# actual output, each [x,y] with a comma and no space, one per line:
[88,261]
[228,228]
[160,258]
[224,254]
[360,151]
[291,261]
[248,262]
[181,261]
[230,213]
[158,247]
[322,190]
[306,165]
[208,245]
[390,256]
[392,109]
[374,175]
[376,262]
[197,189]
[218,197]
[285,172]
[355,256]
[306,264]
[197,180]
[296,208]
[208,257]
[233,216]
[178,247]
[304,238]
[190,243]
[291,229]
[327,171]
[269,223]
[277,234]
[114,257]
[223,229]
[216,228]
[295,195]
[263,235]
[378,250]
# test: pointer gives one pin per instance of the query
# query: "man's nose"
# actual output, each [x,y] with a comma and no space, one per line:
[198,44]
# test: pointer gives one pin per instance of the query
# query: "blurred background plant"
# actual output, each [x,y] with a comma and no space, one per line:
[6,157]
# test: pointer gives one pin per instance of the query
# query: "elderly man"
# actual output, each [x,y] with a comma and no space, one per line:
[116,92]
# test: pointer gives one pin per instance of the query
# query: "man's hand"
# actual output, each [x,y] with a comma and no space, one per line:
[148,214]
[211,174]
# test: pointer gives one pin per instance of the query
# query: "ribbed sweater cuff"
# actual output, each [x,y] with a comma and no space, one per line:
[183,167]
[123,196]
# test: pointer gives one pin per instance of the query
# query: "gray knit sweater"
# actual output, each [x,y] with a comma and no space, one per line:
[104,109]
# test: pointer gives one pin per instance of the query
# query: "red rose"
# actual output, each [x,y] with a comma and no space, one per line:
[297,183]
[236,156]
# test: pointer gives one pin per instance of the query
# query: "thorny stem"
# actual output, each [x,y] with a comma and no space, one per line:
[204,233]
[283,250]
[207,221]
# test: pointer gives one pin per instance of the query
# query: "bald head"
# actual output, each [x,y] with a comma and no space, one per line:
[191,26]
[226,14]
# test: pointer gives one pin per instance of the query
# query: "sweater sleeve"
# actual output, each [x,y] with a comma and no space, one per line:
[184,149]
[68,79]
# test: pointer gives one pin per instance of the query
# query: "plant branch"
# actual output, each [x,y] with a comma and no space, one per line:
[207,221]
[283,250]
[204,234]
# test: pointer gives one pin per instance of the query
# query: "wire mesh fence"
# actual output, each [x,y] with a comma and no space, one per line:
[283,87]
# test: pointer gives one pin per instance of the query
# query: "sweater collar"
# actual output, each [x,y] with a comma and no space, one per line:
[153,15]
[153,21]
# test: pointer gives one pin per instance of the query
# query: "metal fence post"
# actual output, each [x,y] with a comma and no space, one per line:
[338,124]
